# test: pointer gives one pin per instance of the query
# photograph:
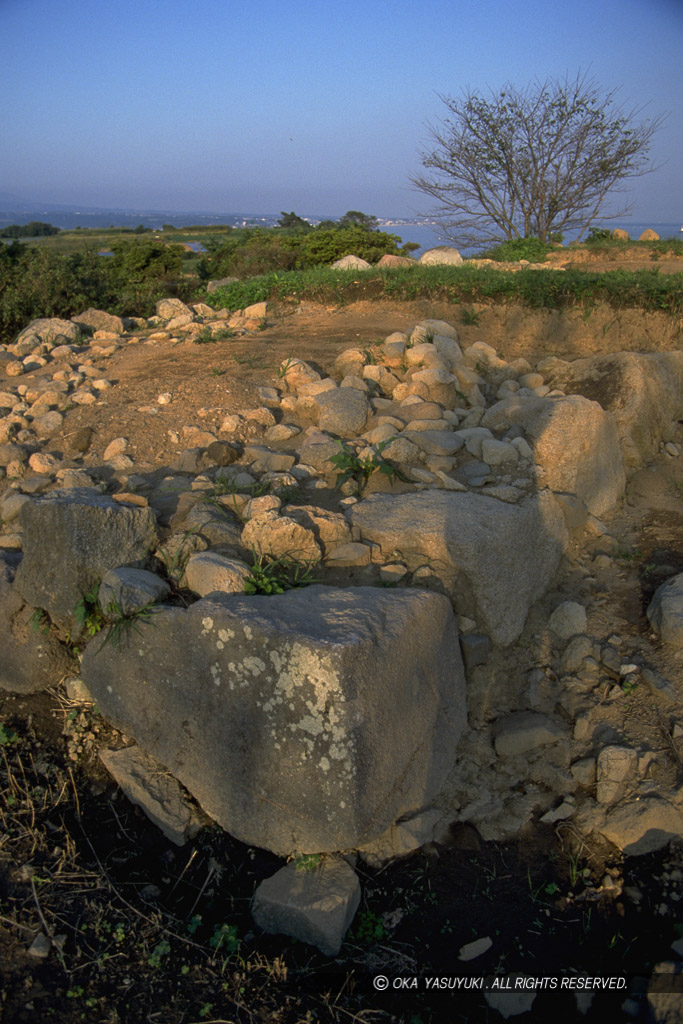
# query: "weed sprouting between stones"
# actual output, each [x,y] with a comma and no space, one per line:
[352,467]
[270,575]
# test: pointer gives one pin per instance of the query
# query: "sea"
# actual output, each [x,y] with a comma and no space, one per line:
[428,236]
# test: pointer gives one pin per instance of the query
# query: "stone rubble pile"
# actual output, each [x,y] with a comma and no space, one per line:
[335,717]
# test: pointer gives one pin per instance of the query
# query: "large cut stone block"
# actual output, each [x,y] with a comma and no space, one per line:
[70,539]
[497,559]
[307,721]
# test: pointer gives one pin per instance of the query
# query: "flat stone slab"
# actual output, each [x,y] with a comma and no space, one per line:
[304,722]
[150,786]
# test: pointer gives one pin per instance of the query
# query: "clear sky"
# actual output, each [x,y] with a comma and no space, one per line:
[313,105]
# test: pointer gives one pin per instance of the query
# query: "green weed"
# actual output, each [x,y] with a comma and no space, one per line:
[207,337]
[225,938]
[7,736]
[120,624]
[40,623]
[629,685]
[470,317]
[88,615]
[160,951]
[308,861]
[369,928]
[352,467]
[270,575]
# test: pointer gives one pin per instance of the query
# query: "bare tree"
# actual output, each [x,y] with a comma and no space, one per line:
[535,162]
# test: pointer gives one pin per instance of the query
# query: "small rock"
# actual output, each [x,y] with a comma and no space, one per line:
[524,731]
[40,947]
[568,620]
[353,553]
[209,571]
[579,648]
[471,950]
[512,1003]
[315,905]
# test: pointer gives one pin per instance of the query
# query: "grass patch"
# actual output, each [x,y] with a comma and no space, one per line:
[547,289]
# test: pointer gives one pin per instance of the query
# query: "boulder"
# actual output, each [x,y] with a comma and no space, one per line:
[569,619]
[315,904]
[392,262]
[296,373]
[127,590]
[441,255]
[342,411]
[45,331]
[32,656]
[97,320]
[620,234]
[70,539]
[308,721]
[208,571]
[649,235]
[576,443]
[280,537]
[167,309]
[665,611]
[329,528]
[643,393]
[351,263]
[496,559]
[616,766]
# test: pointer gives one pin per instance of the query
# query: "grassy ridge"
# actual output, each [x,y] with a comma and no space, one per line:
[547,289]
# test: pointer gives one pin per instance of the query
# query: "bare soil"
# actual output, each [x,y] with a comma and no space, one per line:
[143,931]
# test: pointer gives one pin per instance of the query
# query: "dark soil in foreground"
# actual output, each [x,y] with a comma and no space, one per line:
[145,931]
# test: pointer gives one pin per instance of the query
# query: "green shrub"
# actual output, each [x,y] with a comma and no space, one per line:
[532,249]
[598,235]
[326,246]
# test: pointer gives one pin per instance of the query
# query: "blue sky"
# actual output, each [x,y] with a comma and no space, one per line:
[313,105]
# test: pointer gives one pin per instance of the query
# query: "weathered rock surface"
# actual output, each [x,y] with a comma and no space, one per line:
[31,656]
[304,722]
[128,590]
[642,826]
[505,556]
[577,445]
[315,905]
[643,392]
[351,263]
[147,784]
[342,411]
[280,537]
[665,611]
[98,320]
[208,571]
[440,254]
[70,539]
